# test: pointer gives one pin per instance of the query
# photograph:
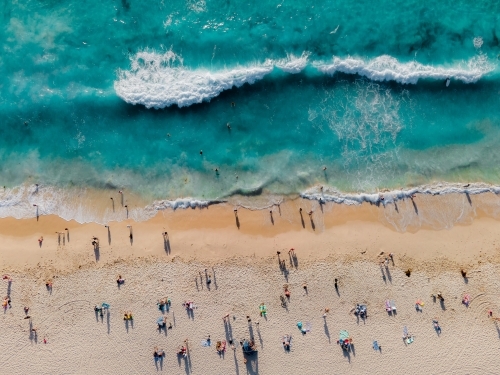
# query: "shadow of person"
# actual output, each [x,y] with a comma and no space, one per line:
[302,220]
[215,279]
[109,236]
[441,302]
[468,198]
[389,276]
[383,274]
[252,364]
[327,331]
[313,226]
[96,252]
[166,243]
[414,206]
[237,219]
[236,367]
[271,215]
[347,354]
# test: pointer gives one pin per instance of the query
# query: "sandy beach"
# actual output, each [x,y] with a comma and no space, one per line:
[344,243]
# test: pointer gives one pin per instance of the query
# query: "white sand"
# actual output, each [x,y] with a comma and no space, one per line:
[78,344]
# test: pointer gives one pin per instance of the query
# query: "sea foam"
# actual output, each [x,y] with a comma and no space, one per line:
[159,80]
[331,195]
[387,68]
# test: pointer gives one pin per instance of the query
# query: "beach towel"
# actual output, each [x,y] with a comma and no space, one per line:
[159,321]
[388,306]
[105,305]
[205,343]
[375,346]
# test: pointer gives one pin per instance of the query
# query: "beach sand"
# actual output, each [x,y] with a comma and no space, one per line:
[340,242]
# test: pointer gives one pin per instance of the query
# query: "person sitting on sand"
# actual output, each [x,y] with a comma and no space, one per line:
[161,305]
[158,353]
[7,278]
[48,284]
[99,310]
[119,280]
[162,323]
[127,315]
[286,342]
[287,291]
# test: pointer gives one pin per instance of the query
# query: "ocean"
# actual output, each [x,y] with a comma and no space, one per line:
[187,103]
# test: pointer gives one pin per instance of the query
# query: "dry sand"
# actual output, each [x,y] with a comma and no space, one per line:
[245,272]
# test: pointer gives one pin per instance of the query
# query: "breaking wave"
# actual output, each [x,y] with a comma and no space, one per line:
[159,80]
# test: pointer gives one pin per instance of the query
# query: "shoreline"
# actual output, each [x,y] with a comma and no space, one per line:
[406,209]
[211,235]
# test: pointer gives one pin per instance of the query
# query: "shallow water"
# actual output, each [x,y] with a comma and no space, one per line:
[357,88]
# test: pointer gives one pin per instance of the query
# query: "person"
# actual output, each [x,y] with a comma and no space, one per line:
[287,291]
[201,152]
[48,284]
[324,168]
[291,251]
[286,342]
[225,317]
[40,240]
[336,284]
[119,280]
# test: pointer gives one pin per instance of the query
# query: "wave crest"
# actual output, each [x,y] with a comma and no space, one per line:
[159,80]
[388,68]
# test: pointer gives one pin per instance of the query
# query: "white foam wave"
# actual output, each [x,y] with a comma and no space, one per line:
[328,194]
[387,68]
[29,201]
[159,80]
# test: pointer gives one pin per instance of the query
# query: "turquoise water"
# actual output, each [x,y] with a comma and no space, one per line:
[125,94]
